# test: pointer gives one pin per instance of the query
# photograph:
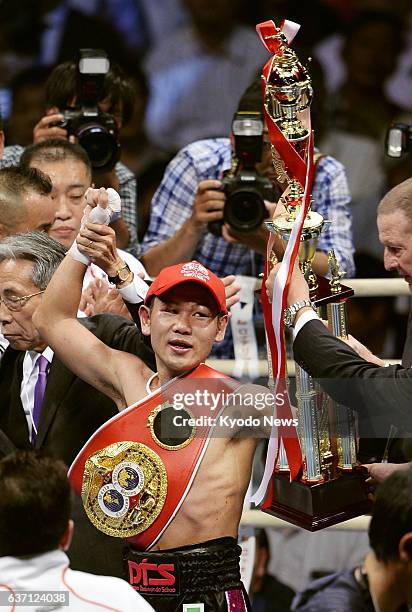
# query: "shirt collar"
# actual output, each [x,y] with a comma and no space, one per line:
[31,357]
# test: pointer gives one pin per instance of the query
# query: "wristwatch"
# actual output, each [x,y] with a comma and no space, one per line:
[289,314]
[122,275]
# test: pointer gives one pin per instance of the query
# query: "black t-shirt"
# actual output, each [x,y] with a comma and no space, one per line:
[273,595]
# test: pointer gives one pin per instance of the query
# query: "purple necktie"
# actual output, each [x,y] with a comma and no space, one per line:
[39,390]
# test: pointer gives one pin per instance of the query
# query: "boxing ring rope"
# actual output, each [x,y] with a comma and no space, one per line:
[226,366]
[363,287]
[377,287]
[370,287]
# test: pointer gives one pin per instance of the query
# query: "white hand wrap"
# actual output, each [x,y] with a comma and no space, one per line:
[96,215]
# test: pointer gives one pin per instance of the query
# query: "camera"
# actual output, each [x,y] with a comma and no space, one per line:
[95,130]
[399,139]
[245,190]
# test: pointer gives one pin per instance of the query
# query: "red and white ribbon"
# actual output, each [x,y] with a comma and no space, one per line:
[300,169]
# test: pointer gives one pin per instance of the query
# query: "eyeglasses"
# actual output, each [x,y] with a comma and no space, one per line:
[16,303]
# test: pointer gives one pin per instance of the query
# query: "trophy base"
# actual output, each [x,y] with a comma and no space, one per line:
[323,292]
[320,505]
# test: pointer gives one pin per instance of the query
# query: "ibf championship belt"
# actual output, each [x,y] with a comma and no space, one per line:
[136,470]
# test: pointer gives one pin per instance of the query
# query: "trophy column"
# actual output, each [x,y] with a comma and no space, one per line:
[345,418]
[314,441]
[331,489]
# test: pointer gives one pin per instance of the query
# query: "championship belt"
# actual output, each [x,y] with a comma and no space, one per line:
[136,470]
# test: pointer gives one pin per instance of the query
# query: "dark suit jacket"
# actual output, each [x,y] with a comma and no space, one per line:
[407,349]
[382,395]
[6,445]
[71,411]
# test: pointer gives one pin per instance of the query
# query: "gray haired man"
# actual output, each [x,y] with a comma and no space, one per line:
[25,205]
[43,404]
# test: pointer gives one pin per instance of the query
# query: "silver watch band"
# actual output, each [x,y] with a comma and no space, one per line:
[291,311]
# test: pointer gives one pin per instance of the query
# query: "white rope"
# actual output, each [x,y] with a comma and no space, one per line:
[227,366]
[370,287]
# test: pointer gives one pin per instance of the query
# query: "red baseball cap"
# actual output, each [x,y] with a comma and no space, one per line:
[192,272]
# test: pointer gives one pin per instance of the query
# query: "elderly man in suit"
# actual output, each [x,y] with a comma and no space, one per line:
[382,393]
[44,404]
[25,205]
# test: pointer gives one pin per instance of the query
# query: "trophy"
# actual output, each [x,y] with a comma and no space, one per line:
[330,488]
[288,91]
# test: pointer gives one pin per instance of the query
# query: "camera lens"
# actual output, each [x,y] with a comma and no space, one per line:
[244,211]
[100,145]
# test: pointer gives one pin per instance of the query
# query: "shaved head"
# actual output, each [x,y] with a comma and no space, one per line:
[25,202]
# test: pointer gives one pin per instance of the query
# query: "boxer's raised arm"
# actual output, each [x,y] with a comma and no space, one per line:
[77,347]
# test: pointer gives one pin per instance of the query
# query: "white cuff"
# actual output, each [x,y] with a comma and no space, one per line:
[75,254]
[308,315]
[136,291]
[96,215]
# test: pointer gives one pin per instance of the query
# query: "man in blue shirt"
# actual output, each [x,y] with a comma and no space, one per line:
[188,198]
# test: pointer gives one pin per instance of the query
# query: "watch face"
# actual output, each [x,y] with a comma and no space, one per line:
[123,274]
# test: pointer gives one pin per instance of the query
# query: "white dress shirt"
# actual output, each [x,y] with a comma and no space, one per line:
[3,345]
[309,315]
[50,572]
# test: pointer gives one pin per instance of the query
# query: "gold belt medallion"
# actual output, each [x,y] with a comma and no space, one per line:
[124,488]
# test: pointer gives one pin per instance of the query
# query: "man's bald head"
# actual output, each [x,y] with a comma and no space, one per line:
[398,199]
[395,230]
[25,201]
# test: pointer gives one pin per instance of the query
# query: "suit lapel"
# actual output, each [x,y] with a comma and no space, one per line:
[12,418]
[407,349]
[58,383]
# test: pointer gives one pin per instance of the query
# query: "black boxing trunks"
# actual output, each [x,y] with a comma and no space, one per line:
[197,578]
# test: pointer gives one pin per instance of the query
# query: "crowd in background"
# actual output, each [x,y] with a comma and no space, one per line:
[190,61]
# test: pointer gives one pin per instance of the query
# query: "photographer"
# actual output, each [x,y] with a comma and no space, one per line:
[115,98]
[190,197]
